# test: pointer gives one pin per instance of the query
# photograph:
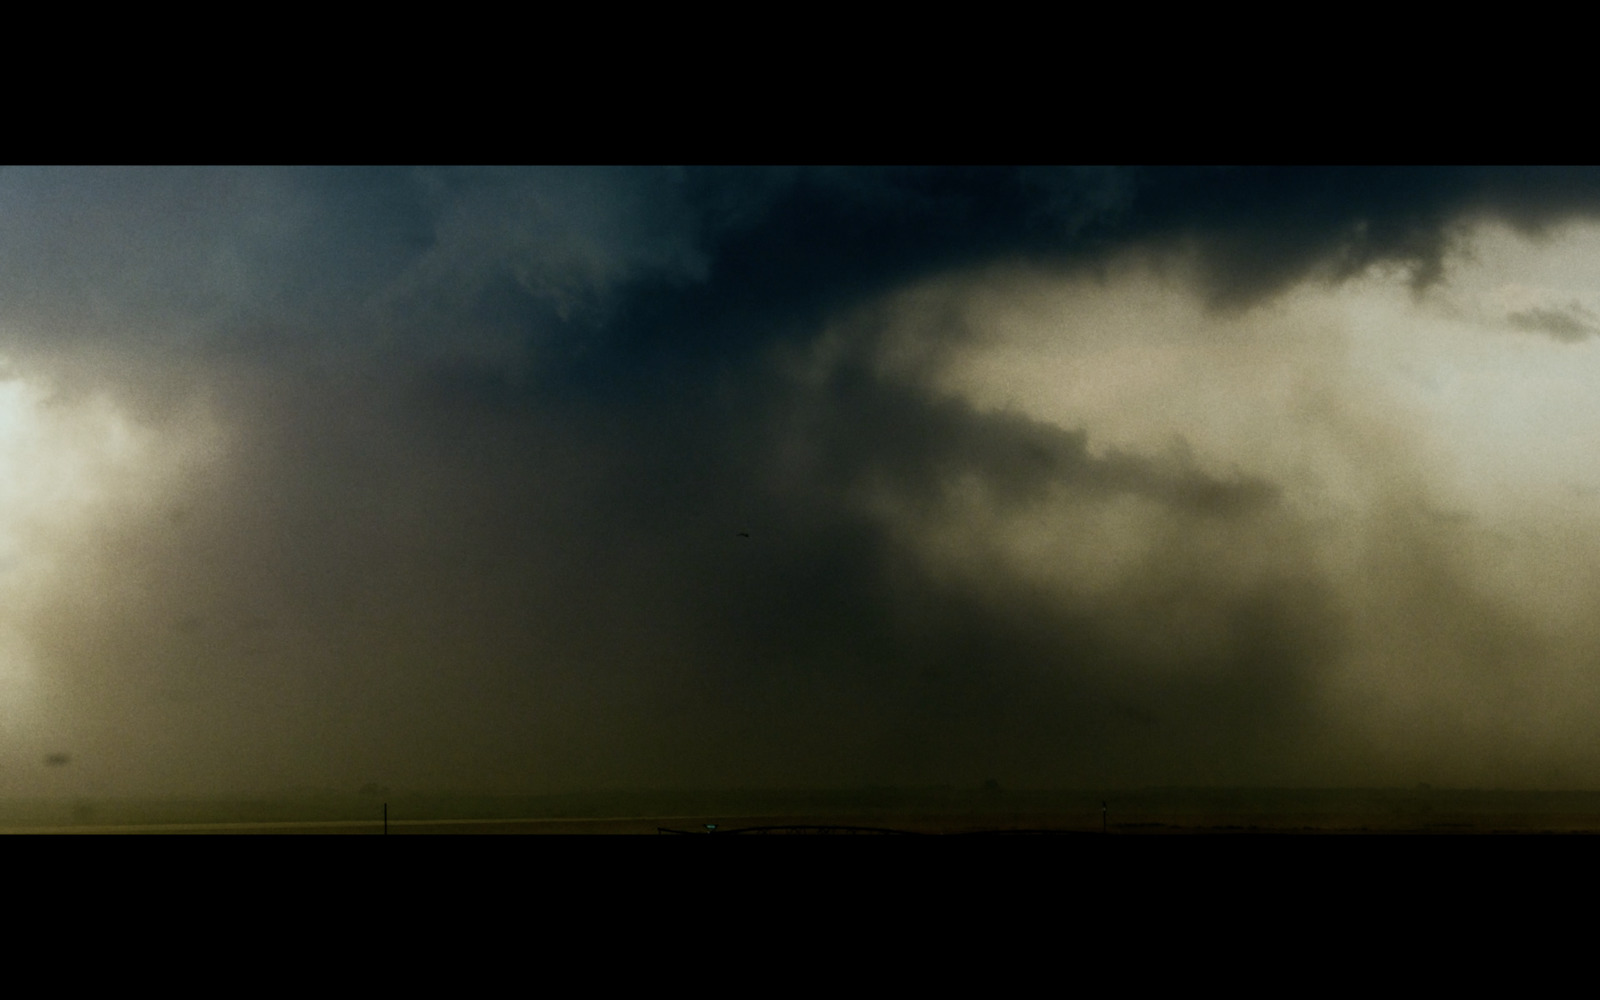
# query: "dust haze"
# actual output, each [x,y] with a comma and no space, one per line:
[543,480]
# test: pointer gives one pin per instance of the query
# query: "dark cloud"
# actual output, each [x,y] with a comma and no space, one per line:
[489,439]
[1262,228]
[663,265]
[1569,324]
[862,429]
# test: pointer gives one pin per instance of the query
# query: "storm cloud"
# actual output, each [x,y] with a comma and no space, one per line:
[540,479]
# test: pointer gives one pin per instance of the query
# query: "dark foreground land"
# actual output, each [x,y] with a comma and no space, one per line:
[876,811]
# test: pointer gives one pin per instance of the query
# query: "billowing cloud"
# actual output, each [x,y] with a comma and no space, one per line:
[537,479]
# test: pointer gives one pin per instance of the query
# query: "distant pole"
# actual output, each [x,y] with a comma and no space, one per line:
[386,819]
[1102,817]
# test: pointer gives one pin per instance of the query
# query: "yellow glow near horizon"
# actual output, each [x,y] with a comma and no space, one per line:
[69,471]
[21,499]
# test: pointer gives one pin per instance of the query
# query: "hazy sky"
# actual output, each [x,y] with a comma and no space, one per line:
[551,479]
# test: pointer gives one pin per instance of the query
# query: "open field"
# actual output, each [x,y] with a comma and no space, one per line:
[916,811]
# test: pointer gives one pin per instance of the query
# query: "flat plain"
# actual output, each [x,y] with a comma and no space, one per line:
[937,811]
